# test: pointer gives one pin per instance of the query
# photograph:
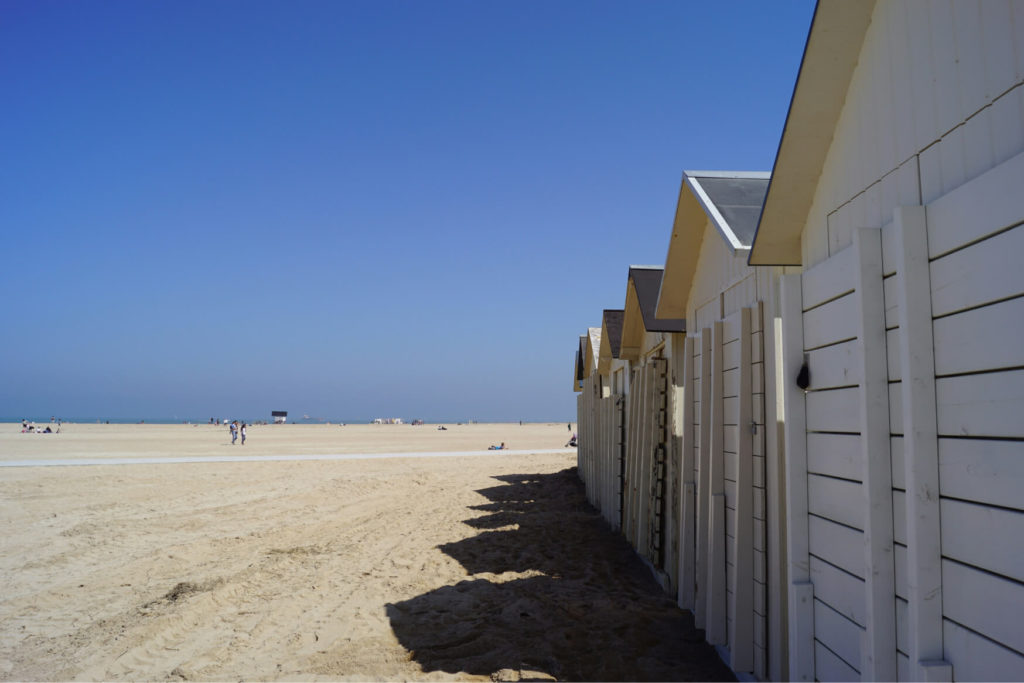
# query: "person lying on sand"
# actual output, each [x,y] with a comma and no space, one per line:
[497,448]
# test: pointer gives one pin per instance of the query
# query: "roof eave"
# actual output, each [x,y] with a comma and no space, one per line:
[830,58]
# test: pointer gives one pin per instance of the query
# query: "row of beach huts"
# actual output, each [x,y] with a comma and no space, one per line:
[809,421]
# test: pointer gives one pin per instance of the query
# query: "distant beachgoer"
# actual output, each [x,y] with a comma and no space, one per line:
[242,431]
[234,432]
[569,426]
[497,448]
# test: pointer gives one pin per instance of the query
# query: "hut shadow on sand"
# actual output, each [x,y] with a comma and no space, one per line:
[561,596]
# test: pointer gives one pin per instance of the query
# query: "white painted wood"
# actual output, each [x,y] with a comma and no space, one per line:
[985,537]
[1005,118]
[741,637]
[837,633]
[878,656]
[716,598]
[835,410]
[900,556]
[961,347]
[976,658]
[979,274]
[898,470]
[981,405]
[840,590]
[840,545]
[687,523]
[988,472]
[985,603]
[830,667]
[985,205]
[830,323]
[759,502]
[801,592]
[899,516]
[772,569]
[839,500]
[892,303]
[892,348]
[835,455]
[825,283]
[835,366]
[730,355]
[920,441]
[704,482]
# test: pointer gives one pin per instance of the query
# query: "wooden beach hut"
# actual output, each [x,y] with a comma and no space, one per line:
[588,427]
[724,423]
[897,190]
[577,381]
[602,408]
[650,496]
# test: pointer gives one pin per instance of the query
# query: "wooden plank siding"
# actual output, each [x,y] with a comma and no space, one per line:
[956,587]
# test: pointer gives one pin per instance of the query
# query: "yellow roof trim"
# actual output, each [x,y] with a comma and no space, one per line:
[633,329]
[683,250]
[830,57]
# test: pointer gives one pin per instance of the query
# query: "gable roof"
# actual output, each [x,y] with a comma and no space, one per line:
[593,346]
[611,338]
[731,201]
[642,289]
[830,57]
[577,382]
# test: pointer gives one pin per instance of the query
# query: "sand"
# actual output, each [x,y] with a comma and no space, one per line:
[476,567]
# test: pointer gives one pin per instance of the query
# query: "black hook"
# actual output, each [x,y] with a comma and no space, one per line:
[803,378]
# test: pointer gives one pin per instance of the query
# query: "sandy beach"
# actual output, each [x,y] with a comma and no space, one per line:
[466,567]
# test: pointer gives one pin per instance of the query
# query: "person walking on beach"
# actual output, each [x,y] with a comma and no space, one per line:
[234,432]
[242,432]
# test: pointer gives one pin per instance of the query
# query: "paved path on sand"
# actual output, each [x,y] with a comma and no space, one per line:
[68,462]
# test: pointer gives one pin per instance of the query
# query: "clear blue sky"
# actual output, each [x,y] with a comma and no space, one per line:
[352,209]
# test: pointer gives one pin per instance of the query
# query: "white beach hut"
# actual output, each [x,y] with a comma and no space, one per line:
[601,412]
[898,189]
[725,421]
[650,497]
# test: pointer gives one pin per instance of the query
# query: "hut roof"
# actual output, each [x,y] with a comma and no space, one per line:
[577,382]
[593,347]
[639,316]
[731,201]
[830,57]
[611,338]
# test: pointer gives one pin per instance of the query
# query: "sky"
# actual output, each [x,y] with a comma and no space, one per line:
[352,209]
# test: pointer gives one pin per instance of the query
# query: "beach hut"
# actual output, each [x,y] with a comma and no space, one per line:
[587,422]
[650,496]
[279,416]
[577,381]
[897,191]
[724,422]
[602,410]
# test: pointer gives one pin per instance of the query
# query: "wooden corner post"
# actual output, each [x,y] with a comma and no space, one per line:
[801,590]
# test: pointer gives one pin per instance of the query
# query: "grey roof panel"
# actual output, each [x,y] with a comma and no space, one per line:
[647,282]
[737,200]
[613,321]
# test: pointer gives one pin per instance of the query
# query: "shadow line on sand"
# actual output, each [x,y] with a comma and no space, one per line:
[586,609]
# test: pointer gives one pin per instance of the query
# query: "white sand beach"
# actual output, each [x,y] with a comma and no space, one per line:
[476,567]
